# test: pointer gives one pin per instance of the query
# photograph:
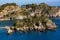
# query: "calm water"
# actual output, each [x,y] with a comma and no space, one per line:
[48,35]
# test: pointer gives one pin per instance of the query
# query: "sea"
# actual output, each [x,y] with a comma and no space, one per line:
[32,35]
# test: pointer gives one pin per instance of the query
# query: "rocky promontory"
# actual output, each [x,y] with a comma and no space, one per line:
[33,23]
[30,17]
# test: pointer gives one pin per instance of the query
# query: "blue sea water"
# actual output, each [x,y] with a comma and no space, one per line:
[48,35]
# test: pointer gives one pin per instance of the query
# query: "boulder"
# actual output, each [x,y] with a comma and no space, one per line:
[9,31]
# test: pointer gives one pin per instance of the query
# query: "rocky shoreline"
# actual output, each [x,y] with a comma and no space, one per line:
[19,26]
[26,29]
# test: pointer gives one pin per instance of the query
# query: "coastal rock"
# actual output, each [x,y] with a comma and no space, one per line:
[50,25]
[25,28]
[39,28]
[17,29]
[31,28]
[9,31]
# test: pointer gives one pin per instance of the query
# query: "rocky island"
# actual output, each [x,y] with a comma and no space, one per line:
[30,17]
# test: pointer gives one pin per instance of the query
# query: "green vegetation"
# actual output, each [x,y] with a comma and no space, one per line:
[43,7]
[27,9]
[7,4]
[30,20]
[30,16]
[25,13]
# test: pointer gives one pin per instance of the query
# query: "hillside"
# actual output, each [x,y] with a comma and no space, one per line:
[13,11]
[50,11]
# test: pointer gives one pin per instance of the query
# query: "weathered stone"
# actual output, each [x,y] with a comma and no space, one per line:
[9,31]
[50,26]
